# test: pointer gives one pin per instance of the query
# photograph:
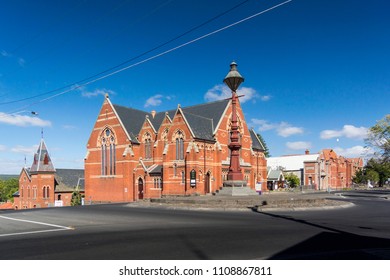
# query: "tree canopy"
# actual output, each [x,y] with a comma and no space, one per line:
[379,139]
[292,180]
[8,188]
[266,151]
[377,169]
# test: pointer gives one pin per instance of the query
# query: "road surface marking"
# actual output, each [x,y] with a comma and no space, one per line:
[58,227]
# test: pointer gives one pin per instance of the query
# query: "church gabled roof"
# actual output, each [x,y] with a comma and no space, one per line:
[132,120]
[256,142]
[42,161]
[202,118]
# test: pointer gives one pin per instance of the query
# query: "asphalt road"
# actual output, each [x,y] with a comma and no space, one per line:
[121,232]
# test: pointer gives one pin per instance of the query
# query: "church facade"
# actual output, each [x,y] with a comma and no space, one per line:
[42,185]
[134,155]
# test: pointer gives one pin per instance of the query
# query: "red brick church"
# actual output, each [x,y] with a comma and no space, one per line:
[42,185]
[133,154]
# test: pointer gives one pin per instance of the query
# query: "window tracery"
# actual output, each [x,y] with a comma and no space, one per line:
[108,152]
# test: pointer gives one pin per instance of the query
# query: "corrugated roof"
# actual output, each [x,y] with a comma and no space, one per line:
[274,174]
[294,162]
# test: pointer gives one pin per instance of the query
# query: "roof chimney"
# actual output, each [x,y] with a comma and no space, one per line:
[307,152]
[153,113]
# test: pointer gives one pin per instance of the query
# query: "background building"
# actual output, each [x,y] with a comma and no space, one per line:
[44,186]
[321,171]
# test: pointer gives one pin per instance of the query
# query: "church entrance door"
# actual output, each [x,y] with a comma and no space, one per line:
[140,189]
[207,182]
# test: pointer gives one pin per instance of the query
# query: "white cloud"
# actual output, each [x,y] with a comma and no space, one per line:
[69,127]
[11,166]
[155,100]
[263,125]
[283,129]
[348,131]
[2,148]
[221,91]
[24,150]
[21,61]
[96,92]
[356,151]
[4,53]
[299,145]
[23,120]
[265,97]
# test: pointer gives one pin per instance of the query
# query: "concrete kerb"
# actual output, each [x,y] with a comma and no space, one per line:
[263,203]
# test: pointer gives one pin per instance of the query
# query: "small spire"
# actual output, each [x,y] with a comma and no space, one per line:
[106,95]
[41,133]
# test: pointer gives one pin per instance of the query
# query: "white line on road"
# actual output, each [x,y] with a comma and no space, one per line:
[59,228]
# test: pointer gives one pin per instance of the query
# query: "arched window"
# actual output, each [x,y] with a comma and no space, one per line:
[179,145]
[45,192]
[108,152]
[34,189]
[148,146]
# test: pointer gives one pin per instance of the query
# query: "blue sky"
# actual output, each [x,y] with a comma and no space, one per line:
[316,72]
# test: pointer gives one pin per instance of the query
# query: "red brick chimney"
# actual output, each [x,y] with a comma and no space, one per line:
[307,152]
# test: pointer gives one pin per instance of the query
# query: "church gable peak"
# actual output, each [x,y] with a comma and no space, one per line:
[42,161]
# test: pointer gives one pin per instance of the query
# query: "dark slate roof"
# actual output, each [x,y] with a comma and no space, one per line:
[67,180]
[159,118]
[256,143]
[42,161]
[202,127]
[156,170]
[132,120]
[213,110]
[202,118]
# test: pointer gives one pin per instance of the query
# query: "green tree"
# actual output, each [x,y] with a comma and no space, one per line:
[378,138]
[266,151]
[381,168]
[292,180]
[8,188]
[359,177]
[375,170]
[76,198]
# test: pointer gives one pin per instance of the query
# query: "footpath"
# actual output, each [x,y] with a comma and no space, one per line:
[269,201]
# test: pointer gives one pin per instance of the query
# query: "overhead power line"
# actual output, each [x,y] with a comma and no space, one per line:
[75,84]
[74,87]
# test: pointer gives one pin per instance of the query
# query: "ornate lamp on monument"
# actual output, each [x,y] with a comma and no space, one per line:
[235,177]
